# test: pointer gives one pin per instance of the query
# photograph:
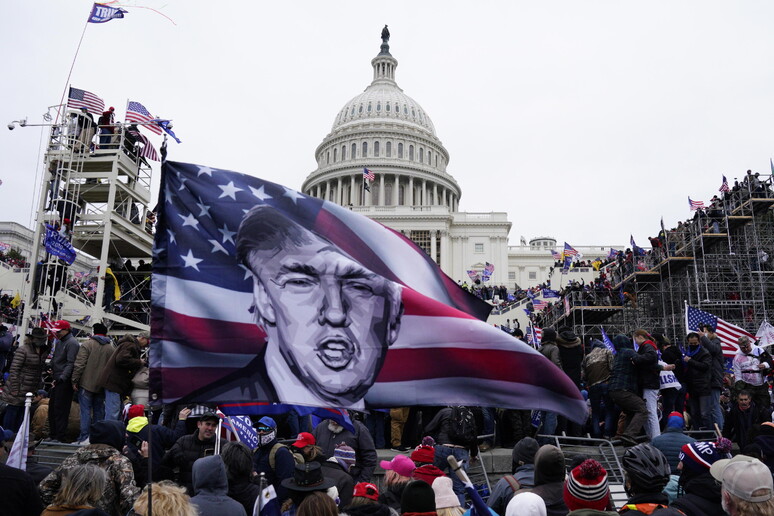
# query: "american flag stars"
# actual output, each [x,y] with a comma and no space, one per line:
[190,260]
[229,190]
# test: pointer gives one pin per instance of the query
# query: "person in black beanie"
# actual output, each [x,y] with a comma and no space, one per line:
[418,499]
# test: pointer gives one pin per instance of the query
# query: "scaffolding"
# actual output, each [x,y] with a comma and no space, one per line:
[721,262]
[95,194]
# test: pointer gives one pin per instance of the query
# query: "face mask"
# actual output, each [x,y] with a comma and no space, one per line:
[267,438]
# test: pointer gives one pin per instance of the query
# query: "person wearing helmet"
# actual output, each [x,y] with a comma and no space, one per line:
[646,472]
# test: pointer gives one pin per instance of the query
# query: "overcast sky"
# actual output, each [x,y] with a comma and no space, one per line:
[585,121]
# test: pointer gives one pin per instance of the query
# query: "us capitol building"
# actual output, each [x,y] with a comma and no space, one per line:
[389,133]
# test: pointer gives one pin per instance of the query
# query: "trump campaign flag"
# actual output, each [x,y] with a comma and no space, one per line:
[262,293]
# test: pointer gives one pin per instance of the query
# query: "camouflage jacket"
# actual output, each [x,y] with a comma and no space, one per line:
[120,489]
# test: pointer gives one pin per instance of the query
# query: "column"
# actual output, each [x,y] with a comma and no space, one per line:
[327,190]
[339,193]
[435,193]
[432,244]
[381,189]
[445,252]
[411,191]
[424,192]
[396,191]
[317,191]
[352,190]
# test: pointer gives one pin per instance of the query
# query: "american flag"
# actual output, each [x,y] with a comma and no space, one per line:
[612,254]
[367,174]
[724,187]
[695,205]
[556,254]
[569,250]
[136,112]
[489,268]
[148,151]
[727,332]
[78,99]
[205,335]
[539,304]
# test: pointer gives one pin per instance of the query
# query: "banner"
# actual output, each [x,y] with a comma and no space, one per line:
[101,13]
[765,334]
[262,293]
[58,245]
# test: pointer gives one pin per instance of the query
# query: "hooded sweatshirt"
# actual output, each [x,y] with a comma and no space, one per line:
[210,486]
[107,438]
[549,480]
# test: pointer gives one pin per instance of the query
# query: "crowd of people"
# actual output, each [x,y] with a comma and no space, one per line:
[95,394]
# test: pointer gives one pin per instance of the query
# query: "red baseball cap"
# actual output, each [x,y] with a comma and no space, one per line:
[366,490]
[304,439]
[61,325]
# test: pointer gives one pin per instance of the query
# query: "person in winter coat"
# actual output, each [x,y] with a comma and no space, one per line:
[597,368]
[672,399]
[624,390]
[670,443]
[550,350]
[117,375]
[648,378]
[702,493]
[697,365]
[89,362]
[549,479]
[168,499]
[6,342]
[330,434]
[398,472]
[189,448]
[107,439]
[711,342]
[526,504]
[238,459]
[742,420]
[210,486]
[365,502]
[137,430]
[61,393]
[571,354]
[20,494]
[272,458]
[337,468]
[82,486]
[25,375]
[522,475]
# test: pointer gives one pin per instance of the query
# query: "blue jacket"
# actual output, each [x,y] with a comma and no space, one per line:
[669,443]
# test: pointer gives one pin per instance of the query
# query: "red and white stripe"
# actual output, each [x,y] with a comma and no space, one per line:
[729,334]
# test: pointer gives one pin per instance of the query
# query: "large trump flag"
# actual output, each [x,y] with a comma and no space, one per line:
[227,299]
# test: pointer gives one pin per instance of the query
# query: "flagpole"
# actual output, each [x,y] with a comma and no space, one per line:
[70,73]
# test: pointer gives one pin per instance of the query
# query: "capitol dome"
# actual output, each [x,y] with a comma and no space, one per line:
[388,133]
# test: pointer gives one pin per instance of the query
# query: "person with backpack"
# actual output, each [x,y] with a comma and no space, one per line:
[522,475]
[454,429]
[329,434]
[273,458]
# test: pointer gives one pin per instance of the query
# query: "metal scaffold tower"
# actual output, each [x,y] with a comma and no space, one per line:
[95,194]
[721,261]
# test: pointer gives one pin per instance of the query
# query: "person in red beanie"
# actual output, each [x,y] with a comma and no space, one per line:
[163,438]
[586,488]
[424,453]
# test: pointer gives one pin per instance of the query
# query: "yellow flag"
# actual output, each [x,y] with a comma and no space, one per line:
[16,301]
[116,288]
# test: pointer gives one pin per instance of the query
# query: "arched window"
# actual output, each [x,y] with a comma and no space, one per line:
[335,155]
[369,107]
[421,155]
[353,110]
[354,151]
[397,109]
[400,150]
[378,106]
[436,160]
[388,195]
[327,157]
[401,195]
[413,113]
[343,152]
[429,157]
[376,149]
[389,147]
[405,109]
[361,109]
[411,153]
[387,106]
[365,149]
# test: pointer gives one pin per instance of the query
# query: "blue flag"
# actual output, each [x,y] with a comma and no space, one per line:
[547,292]
[243,428]
[167,126]
[537,418]
[606,340]
[101,13]
[270,409]
[267,504]
[58,245]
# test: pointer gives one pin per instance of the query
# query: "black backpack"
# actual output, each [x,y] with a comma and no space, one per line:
[462,428]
